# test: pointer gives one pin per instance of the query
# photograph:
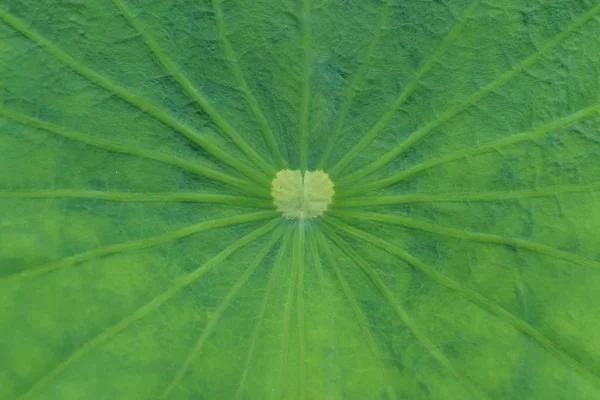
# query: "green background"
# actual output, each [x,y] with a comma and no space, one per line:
[141,256]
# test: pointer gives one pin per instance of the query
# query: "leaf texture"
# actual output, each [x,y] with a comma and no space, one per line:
[142,255]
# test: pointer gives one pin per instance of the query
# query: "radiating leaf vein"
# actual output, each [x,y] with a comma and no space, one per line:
[200,98]
[389,297]
[465,197]
[137,245]
[129,97]
[358,314]
[193,167]
[473,236]
[385,159]
[473,296]
[357,79]
[267,131]
[307,72]
[159,197]
[149,307]
[216,317]
[496,145]
[386,118]
[278,266]
[298,258]
[287,320]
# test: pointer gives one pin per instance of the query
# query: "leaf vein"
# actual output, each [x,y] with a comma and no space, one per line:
[386,118]
[536,133]
[387,294]
[138,197]
[193,167]
[155,112]
[267,131]
[466,197]
[351,90]
[263,309]
[136,245]
[474,297]
[214,320]
[471,100]
[147,308]
[200,98]
[474,236]
[305,96]
[358,314]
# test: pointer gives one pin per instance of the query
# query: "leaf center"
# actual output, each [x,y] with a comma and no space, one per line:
[302,196]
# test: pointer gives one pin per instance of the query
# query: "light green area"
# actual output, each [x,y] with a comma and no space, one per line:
[141,256]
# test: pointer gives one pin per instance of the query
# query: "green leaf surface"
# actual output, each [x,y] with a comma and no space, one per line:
[141,254]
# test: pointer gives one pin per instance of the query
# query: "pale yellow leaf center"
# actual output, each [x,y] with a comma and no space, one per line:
[302,197]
